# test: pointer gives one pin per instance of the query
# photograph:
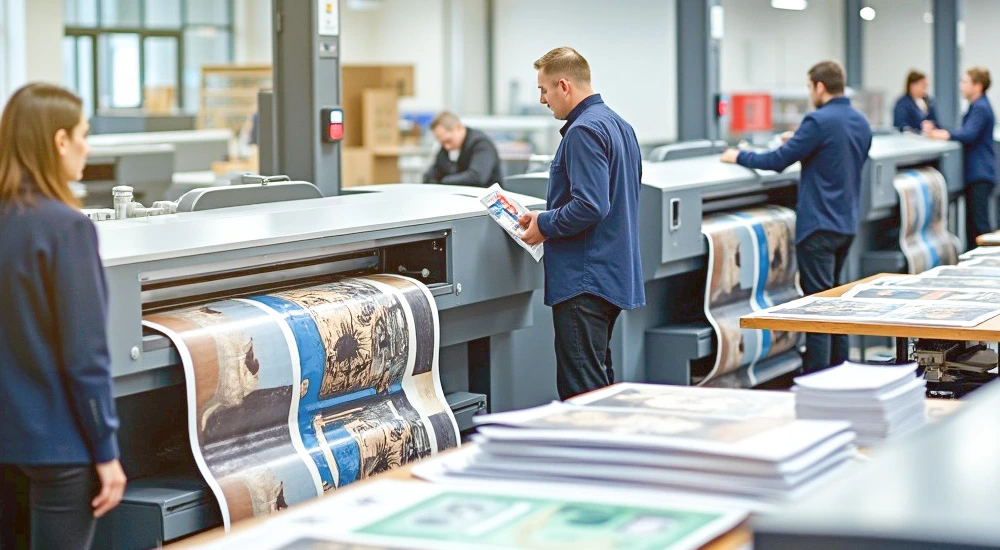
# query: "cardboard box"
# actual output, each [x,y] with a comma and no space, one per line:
[362,166]
[380,118]
[355,79]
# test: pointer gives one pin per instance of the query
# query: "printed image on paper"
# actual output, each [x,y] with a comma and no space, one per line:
[867,310]
[751,267]
[892,293]
[294,393]
[923,209]
[507,213]
[687,399]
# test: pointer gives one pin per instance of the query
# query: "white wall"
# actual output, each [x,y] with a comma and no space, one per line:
[12,47]
[475,70]
[897,41]
[982,19]
[252,32]
[767,49]
[405,32]
[630,45]
[43,32]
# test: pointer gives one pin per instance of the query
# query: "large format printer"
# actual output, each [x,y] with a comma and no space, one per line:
[482,282]
[876,247]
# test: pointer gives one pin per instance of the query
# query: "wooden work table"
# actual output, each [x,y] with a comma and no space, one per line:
[987,331]
[989,239]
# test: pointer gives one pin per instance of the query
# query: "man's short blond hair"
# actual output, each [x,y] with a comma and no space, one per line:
[448,119]
[979,75]
[564,62]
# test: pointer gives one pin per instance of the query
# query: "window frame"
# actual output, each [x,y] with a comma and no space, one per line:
[144,32]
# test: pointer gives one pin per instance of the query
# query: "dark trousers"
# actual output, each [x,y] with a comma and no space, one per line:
[44,507]
[583,326]
[821,259]
[978,199]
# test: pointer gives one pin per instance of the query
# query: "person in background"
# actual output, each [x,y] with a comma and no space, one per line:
[467,156]
[832,144]
[58,425]
[914,106]
[590,224]
[976,137]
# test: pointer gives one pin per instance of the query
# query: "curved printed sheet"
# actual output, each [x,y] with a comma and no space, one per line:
[294,393]
[729,290]
[777,281]
[751,267]
[923,213]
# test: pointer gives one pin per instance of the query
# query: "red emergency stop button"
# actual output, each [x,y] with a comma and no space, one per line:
[332,124]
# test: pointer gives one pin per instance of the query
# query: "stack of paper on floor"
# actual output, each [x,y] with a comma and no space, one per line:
[743,444]
[878,401]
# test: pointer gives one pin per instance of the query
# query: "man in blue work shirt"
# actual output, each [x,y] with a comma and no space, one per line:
[976,137]
[832,144]
[590,225]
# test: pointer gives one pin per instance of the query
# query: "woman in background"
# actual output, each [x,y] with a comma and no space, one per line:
[914,107]
[58,426]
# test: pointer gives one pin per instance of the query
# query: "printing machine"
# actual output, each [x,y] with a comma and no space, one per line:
[482,282]
[876,247]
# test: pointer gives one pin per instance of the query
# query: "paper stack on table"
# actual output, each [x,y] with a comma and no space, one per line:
[879,401]
[629,441]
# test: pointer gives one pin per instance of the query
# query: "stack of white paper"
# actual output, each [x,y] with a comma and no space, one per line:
[624,439]
[879,401]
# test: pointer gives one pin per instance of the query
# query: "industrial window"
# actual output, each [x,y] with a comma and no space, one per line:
[148,54]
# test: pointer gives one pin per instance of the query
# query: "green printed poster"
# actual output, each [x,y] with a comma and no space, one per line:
[539,523]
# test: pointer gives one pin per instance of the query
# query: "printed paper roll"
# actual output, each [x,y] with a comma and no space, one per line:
[298,392]
[751,266]
[923,215]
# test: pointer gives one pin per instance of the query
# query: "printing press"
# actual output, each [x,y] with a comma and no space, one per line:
[251,239]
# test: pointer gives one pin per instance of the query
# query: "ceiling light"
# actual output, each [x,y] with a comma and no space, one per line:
[867,13]
[789,4]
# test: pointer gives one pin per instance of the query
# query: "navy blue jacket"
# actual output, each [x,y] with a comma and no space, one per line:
[592,219]
[908,117]
[976,136]
[832,144]
[56,400]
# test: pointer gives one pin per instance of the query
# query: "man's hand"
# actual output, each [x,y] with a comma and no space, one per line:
[927,126]
[529,223]
[112,479]
[729,156]
[943,135]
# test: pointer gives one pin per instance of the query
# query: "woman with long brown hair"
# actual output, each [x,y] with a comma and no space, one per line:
[58,426]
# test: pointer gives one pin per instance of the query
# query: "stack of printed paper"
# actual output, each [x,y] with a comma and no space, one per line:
[740,444]
[879,401]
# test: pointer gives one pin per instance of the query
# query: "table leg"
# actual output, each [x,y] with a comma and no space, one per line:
[902,350]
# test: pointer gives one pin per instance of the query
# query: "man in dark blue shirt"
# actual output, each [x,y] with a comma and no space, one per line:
[976,137]
[832,144]
[590,225]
